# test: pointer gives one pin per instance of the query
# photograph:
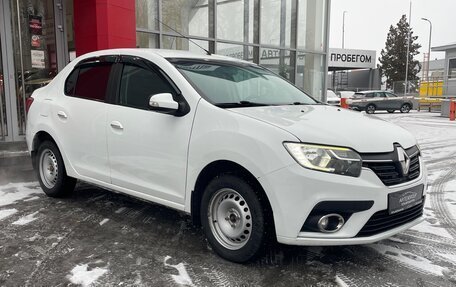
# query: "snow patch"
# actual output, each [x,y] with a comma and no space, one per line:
[85,277]
[408,259]
[104,221]
[32,198]
[120,210]
[436,229]
[340,282]
[4,213]
[183,278]
[13,192]
[450,257]
[26,219]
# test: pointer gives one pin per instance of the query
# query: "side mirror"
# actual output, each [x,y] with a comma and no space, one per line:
[163,103]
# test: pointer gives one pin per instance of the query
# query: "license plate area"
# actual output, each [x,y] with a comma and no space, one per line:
[404,199]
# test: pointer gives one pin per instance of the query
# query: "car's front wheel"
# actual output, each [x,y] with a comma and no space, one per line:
[51,171]
[370,109]
[405,108]
[233,218]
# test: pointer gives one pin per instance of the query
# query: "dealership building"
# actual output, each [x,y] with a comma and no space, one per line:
[39,37]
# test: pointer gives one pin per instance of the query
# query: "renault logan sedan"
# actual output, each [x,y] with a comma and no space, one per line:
[251,157]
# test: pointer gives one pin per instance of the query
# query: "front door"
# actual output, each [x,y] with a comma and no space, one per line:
[147,149]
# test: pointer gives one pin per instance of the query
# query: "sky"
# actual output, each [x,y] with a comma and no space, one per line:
[367,23]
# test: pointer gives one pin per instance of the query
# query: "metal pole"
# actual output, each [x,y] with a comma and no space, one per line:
[343,30]
[429,52]
[408,50]
[2,130]
[19,31]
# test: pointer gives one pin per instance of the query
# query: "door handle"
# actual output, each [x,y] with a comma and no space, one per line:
[62,115]
[116,125]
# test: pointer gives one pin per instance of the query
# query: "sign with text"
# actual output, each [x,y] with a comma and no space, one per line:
[38,59]
[352,59]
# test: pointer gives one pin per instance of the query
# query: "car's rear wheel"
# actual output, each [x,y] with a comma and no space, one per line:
[390,111]
[233,218]
[405,108]
[51,171]
[370,109]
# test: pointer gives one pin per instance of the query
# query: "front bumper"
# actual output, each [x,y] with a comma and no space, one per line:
[294,191]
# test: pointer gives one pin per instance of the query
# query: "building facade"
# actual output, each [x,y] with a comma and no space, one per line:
[39,37]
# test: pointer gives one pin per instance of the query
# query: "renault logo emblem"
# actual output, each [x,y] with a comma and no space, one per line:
[404,160]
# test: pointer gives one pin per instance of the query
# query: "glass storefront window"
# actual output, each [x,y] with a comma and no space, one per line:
[276,22]
[146,40]
[186,17]
[179,43]
[241,29]
[310,74]
[235,51]
[312,25]
[35,53]
[277,61]
[147,14]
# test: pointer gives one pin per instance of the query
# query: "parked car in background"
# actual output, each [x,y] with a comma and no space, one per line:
[346,94]
[332,98]
[371,101]
[251,157]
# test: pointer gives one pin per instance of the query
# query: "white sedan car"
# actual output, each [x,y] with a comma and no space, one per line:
[251,157]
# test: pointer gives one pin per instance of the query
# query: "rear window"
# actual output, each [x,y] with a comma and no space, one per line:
[89,81]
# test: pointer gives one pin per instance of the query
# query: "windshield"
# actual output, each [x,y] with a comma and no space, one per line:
[226,84]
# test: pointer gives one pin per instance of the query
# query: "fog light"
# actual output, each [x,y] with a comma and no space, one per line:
[330,223]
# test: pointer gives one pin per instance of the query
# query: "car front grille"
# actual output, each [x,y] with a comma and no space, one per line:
[382,221]
[389,169]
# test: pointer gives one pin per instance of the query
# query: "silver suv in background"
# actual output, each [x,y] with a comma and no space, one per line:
[371,101]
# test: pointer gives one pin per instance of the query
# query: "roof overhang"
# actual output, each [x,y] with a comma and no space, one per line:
[444,48]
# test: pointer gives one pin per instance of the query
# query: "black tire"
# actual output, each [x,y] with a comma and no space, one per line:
[54,180]
[405,108]
[370,109]
[390,111]
[248,200]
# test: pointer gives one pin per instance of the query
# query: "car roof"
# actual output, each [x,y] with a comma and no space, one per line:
[164,53]
[372,91]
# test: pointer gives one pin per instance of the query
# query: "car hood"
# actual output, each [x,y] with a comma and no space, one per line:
[328,125]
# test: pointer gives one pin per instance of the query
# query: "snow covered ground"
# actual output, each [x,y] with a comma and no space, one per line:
[99,238]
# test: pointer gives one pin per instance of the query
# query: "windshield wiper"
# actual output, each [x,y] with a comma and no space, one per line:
[302,104]
[241,104]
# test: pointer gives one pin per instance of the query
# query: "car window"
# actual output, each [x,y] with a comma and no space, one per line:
[379,95]
[225,83]
[70,83]
[389,95]
[369,95]
[138,84]
[92,81]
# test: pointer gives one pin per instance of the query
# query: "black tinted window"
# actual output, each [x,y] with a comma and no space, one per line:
[70,83]
[138,84]
[92,81]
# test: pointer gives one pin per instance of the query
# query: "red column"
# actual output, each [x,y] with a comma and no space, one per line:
[104,24]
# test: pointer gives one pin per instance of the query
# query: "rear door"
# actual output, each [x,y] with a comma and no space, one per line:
[80,117]
[147,149]
[394,102]
[381,101]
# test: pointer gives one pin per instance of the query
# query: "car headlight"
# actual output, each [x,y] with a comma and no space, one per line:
[330,159]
